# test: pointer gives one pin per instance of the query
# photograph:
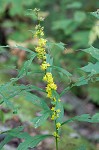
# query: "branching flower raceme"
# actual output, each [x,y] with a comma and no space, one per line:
[48,77]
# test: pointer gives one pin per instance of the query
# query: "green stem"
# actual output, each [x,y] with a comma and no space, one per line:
[56,138]
[56,144]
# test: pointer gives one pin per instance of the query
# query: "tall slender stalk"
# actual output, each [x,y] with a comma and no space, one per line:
[56,144]
[56,138]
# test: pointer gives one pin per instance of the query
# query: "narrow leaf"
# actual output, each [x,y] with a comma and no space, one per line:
[84,118]
[38,121]
[91,68]
[62,70]
[94,52]
[36,100]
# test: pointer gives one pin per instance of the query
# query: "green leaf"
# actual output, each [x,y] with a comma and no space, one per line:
[38,121]
[57,46]
[81,81]
[94,52]
[75,4]
[95,118]
[50,61]
[95,14]
[35,88]
[91,68]
[1,116]
[10,104]
[82,147]
[9,137]
[59,105]
[25,49]
[84,118]
[60,46]
[79,16]
[29,142]
[62,24]
[65,91]
[24,69]
[62,70]
[36,100]
[32,142]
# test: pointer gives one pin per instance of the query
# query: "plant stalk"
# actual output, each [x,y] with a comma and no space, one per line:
[56,143]
[56,138]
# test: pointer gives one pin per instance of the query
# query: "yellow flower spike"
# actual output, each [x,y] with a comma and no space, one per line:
[41,54]
[58,110]
[58,125]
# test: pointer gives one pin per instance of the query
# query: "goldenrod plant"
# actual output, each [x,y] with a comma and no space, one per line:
[53,110]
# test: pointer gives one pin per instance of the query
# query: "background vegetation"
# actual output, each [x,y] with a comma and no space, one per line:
[68,22]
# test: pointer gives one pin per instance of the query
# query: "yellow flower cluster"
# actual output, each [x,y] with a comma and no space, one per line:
[48,77]
[39,31]
[55,134]
[50,84]
[58,125]
[40,53]
[40,49]
[42,42]
[55,113]
[44,65]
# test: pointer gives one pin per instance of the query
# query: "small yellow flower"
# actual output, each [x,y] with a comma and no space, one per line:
[39,49]
[48,77]
[44,57]
[42,42]
[54,99]
[58,125]
[48,88]
[49,94]
[45,65]
[59,100]
[45,78]
[53,86]
[58,110]
[55,134]
[39,33]
[53,108]
[53,117]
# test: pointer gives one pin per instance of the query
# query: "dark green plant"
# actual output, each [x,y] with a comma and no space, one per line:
[56,112]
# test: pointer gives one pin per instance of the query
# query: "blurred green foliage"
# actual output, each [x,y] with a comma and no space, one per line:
[67,21]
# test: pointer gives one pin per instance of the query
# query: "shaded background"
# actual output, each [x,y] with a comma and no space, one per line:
[67,21]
